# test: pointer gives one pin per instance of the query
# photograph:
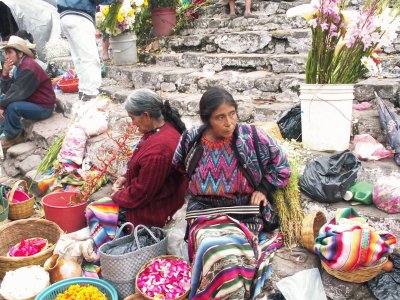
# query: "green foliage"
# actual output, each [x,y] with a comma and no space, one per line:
[143,27]
[163,3]
[187,13]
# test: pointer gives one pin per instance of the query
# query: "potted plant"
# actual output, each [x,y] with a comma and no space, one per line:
[342,50]
[118,22]
[163,15]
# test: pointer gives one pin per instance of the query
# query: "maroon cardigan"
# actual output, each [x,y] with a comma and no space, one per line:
[155,191]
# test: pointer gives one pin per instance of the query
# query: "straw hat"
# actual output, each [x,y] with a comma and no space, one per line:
[20,44]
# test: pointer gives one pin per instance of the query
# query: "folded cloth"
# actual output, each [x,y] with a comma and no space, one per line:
[348,242]
[102,216]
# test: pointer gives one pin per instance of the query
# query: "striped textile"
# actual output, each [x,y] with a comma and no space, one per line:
[227,260]
[102,216]
[348,242]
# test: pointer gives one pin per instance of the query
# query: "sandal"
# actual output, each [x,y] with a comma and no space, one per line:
[231,17]
[250,16]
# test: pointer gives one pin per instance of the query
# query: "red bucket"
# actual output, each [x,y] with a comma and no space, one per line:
[59,209]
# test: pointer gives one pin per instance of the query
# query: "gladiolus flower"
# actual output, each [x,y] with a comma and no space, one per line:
[120,18]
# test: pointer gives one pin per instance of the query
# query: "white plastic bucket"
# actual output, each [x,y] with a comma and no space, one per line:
[123,49]
[326,116]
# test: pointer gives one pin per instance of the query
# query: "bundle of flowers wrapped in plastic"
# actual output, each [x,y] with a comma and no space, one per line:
[165,277]
[119,17]
[344,40]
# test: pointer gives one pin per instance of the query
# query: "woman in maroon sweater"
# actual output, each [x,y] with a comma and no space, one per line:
[151,191]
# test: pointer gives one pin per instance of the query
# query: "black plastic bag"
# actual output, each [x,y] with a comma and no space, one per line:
[290,124]
[386,286]
[327,178]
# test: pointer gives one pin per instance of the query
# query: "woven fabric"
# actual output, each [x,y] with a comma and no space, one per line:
[227,260]
[348,242]
[102,216]
[218,174]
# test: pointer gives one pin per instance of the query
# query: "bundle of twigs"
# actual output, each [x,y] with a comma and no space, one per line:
[288,206]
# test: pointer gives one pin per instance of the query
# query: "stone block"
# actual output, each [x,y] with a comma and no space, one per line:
[21,149]
[30,163]
[243,42]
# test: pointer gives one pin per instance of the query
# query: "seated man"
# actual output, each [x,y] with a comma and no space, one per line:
[28,93]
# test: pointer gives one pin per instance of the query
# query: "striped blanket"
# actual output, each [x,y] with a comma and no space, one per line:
[228,262]
[102,216]
[348,242]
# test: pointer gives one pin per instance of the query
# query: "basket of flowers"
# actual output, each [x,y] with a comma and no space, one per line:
[172,275]
[34,237]
[79,288]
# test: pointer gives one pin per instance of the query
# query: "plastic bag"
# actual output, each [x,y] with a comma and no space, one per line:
[290,124]
[387,194]
[304,285]
[367,148]
[176,244]
[386,286]
[327,178]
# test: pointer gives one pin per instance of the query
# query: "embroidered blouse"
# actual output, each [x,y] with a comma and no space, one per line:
[218,172]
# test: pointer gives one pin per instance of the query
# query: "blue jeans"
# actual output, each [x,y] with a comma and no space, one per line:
[22,109]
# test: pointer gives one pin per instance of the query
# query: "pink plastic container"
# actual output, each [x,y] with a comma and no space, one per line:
[19,196]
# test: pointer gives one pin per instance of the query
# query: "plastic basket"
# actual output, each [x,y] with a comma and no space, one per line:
[69,85]
[52,291]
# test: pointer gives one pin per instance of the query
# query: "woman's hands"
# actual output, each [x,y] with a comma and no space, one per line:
[119,184]
[257,198]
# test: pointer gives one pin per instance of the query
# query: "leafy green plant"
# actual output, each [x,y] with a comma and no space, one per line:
[143,27]
[187,13]
[163,3]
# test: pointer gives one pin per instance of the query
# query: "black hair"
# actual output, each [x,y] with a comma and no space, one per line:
[23,34]
[145,100]
[213,98]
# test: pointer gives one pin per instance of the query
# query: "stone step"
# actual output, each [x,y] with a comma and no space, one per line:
[222,24]
[257,6]
[261,41]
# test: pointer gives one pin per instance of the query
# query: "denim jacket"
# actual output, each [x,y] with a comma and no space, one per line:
[86,8]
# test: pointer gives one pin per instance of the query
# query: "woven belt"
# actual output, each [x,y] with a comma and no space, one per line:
[227,210]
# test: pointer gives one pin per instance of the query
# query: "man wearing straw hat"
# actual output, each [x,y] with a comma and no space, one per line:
[28,92]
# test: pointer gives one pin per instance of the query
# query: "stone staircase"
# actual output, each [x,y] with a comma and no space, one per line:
[261,62]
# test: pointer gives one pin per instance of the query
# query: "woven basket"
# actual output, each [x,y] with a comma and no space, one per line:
[21,210]
[11,233]
[359,275]
[310,228]
[121,270]
[137,289]
[69,85]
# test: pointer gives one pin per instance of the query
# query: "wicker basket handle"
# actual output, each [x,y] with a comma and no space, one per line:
[135,232]
[117,235]
[14,188]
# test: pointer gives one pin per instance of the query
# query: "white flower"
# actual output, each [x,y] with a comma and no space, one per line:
[305,10]
[349,16]
[138,2]
[370,65]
